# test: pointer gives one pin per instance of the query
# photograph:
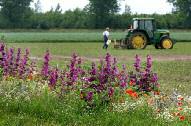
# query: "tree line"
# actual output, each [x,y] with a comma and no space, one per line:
[97,14]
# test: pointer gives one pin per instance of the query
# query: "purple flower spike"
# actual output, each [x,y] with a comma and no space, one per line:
[123,84]
[110,92]
[3,55]
[79,61]
[115,69]
[155,78]
[11,56]
[108,63]
[2,46]
[149,64]
[53,77]
[17,61]
[23,67]
[10,61]
[93,70]
[89,96]
[137,63]
[45,68]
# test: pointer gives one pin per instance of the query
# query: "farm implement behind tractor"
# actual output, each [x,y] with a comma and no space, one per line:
[142,33]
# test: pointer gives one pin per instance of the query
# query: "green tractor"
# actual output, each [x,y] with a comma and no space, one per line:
[143,32]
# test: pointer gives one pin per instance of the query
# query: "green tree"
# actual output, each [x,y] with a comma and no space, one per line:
[58,9]
[127,9]
[101,10]
[75,19]
[16,11]
[184,7]
[37,7]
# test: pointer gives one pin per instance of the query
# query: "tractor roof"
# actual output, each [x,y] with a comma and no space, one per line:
[143,18]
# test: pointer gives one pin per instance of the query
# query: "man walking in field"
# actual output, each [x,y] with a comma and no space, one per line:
[106,38]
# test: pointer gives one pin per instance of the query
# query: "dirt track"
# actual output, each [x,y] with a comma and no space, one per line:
[123,58]
[165,58]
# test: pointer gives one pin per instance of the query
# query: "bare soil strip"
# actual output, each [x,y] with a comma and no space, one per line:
[122,58]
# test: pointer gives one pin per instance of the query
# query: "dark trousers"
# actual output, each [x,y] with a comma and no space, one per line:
[105,46]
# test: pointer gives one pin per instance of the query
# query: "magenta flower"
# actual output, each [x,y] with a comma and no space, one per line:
[110,91]
[10,61]
[45,67]
[2,46]
[3,55]
[53,77]
[137,63]
[115,69]
[89,96]
[123,84]
[149,64]
[23,67]
[17,61]
[154,78]
[93,70]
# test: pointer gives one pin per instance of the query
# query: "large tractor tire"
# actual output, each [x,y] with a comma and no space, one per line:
[138,40]
[166,43]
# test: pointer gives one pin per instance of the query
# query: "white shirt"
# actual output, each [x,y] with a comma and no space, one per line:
[106,33]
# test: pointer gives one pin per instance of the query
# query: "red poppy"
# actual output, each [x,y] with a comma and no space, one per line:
[134,95]
[177,114]
[180,98]
[182,118]
[180,109]
[129,91]
[30,77]
[179,103]
[156,93]
[131,83]
[158,110]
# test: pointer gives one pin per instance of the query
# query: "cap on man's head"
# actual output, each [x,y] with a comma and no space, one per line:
[107,28]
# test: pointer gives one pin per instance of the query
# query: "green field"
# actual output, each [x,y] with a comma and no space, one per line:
[77,36]
[94,50]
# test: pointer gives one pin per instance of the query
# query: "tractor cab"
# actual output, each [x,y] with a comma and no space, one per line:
[144,24]
[144,32]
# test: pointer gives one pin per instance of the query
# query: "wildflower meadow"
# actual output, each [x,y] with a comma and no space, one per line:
[78,93]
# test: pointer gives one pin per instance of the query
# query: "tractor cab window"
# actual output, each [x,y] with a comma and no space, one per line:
[141,24]
[149,25]
[135,24]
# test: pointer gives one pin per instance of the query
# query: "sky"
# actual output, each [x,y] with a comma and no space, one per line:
[137,6]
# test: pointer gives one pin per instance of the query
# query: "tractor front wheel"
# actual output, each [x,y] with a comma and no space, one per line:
[138,41]
[166,43]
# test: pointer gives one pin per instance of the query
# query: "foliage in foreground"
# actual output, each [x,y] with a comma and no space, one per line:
[33,103]
[29,103]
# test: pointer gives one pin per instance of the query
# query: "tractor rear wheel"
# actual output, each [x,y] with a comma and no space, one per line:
[138,40]
[166,43]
